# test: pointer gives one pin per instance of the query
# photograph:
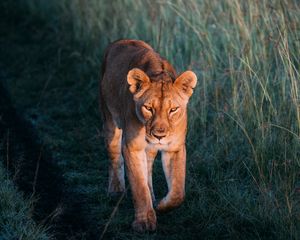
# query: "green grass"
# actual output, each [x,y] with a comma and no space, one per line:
[244,117]
[16,213]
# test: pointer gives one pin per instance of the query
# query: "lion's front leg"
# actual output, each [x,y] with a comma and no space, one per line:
[174,164]
[136,163]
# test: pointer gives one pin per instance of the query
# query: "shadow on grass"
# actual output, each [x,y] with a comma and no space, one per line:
[29,161]
[37,175]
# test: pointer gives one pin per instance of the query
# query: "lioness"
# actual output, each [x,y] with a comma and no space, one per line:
[144,108]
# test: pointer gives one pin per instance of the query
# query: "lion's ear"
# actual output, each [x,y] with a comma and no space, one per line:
[186,82]
[136,79]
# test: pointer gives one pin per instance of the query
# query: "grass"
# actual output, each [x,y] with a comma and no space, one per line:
[16,213]
[244,117]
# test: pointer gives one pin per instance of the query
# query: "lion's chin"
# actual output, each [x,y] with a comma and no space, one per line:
[155,141]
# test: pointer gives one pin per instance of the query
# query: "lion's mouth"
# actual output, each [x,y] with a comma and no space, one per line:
[153,140]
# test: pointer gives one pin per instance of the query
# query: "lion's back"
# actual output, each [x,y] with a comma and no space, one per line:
[118,58]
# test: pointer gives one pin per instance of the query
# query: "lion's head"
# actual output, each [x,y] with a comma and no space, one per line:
[161,102]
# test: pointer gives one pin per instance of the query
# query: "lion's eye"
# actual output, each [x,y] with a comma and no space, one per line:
[174,109]
[148,108]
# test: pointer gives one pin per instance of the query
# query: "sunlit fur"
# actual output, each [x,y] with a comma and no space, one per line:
[162,97]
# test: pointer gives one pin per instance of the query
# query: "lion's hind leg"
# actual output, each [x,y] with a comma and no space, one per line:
[113,139]
[151,154]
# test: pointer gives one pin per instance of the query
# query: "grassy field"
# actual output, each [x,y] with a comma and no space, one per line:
[243,163]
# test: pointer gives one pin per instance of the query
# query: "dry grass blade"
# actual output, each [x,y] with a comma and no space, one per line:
[113,214]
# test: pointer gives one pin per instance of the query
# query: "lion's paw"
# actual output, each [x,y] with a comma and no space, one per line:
[145,223]
[167,204]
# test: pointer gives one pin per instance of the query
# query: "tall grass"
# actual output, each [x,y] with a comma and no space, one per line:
[244,118]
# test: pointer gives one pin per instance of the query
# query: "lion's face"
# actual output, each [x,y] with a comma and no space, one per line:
[161,105]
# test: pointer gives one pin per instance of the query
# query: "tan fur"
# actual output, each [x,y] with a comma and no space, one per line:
[143,103]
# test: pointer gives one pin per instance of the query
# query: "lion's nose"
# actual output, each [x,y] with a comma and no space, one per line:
[159,133]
